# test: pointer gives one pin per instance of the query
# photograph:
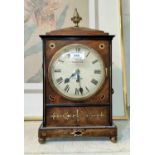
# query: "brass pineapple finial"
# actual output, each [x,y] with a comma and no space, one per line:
[76,18]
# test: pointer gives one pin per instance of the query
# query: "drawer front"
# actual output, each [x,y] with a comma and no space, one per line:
[68,133]
[77,116]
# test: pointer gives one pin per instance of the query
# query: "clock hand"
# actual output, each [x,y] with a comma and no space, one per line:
[68,79]
[78,75]
[79,81]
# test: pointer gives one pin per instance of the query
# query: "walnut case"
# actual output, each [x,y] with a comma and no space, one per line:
[64,118]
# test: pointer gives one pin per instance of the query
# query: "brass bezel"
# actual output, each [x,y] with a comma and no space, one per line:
[51,80]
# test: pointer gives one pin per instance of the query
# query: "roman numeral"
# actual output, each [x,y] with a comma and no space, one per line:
[87,89]
[57,70]
[76,91]
[59,80]
[87,54]
[97,71]
[94,61]
[68,55]
[61,61]
[95,82]
[77,49]
[81,90]
[67,88]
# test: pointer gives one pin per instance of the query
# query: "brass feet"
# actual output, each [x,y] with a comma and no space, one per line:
[41,140]
[113,139]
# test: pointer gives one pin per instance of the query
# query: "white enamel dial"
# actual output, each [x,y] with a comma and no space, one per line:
[76,72]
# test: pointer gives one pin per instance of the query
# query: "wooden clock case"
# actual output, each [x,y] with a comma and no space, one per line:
[63,118]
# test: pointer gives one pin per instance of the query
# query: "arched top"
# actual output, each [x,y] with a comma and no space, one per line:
[76,31]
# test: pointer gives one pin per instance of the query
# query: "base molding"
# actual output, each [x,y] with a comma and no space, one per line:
[45,133]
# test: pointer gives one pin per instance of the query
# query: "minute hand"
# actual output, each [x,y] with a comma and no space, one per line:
[79,81]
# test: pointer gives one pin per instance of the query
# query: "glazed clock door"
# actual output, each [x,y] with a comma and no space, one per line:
[76,72]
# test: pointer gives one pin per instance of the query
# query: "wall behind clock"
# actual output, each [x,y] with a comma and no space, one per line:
[126,37]
[42,16]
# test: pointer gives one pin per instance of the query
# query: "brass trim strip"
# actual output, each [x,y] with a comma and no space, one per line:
[67,115]
[106,71]
[123,63]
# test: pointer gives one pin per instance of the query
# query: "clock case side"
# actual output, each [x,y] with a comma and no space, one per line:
[44,78]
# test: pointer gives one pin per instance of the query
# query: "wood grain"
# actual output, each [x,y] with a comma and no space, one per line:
[65,118]
[102,96]
[79,116]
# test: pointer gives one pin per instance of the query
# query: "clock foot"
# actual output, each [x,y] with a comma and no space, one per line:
[113,139]
[41,140]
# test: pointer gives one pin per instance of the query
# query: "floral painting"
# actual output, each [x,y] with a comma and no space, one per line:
[41,16]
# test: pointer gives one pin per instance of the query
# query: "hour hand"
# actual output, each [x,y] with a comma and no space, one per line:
[68,79]
[78,75]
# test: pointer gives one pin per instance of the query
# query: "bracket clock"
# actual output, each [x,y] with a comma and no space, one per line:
[77,84]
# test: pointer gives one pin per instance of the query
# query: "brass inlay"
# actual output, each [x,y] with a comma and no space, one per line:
[68,116]
[51,98]
[52,45]
[77,133]
[95,115]
[106,71]
[65,116]
[76,18]
[77,114]
[101,46]
[102,97]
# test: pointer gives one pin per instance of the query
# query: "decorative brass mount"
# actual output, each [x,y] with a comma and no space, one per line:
[77,133]
[76,18]
[76,115]
[95,115]
[65,116]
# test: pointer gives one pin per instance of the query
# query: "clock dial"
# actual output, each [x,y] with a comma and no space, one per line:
[76,72]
